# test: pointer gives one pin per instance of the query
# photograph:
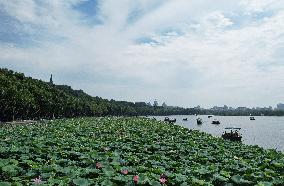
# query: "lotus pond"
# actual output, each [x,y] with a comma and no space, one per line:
[129,151]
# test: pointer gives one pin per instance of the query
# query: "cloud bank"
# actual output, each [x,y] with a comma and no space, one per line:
[182,52]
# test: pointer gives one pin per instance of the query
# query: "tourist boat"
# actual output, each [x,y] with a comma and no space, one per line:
[210,116]
[170,120]
[215,122]
[233,134]
[199,121]
[184,119]
[251,118]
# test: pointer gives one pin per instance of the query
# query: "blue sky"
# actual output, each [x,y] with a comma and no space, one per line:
[185,53]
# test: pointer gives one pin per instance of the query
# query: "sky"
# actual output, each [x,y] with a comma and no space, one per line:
[182,52]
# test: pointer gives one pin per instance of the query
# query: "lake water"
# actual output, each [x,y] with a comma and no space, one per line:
[265,131]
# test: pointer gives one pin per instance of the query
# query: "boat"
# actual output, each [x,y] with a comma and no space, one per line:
[210,116]
[251,118]
[233,134]
[184,119]
[199,121]
[215,122]
[170,120]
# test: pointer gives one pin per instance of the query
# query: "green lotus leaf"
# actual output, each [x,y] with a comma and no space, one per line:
[264,184]
[239,180]
[108,171]
[143,179]
[10,170]
[154,183]
[180,178]
[81,182]
[220,178]
[106,183]
[5,184]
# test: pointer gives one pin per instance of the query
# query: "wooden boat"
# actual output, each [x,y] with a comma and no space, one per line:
[216,122]
[199,121]
[251,118]
[232,135]
[184,119]
[210,116]
[170,120]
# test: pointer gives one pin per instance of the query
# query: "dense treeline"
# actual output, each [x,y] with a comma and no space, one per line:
[27,98]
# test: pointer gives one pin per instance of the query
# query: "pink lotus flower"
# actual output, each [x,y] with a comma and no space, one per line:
[163,180]
[124,172]
[98,165]
[135,179]
[37,181]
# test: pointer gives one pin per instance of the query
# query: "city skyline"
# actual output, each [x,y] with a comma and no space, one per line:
[279,106]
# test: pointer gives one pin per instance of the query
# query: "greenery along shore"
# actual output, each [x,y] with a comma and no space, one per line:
[129,151]
[26,98]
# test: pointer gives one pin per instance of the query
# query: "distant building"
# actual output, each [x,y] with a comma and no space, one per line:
[50,80]
[149,104]
[280,106]
[264,108]
[242,108]
[216,108]
[155,103]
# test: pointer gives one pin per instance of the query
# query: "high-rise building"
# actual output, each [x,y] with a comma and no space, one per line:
[280,106]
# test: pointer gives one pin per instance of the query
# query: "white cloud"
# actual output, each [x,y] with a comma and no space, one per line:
[209,63]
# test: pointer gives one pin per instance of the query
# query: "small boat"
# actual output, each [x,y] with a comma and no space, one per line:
[199,121]
[210,116]
[251,118]
[215,122]
[232,135]
[184,119]
[170,120]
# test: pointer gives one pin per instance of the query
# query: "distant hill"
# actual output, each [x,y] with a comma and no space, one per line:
[27,98]
[23,98]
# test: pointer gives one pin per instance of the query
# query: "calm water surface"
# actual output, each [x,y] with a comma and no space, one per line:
[265,131]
